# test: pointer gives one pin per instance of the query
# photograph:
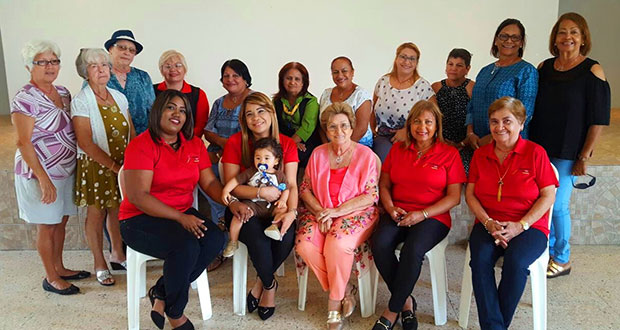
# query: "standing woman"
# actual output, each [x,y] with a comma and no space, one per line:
[453,95]
[103,129]
[355,96]
[395,94]
[45,175]
[173,68]
[134,83]
[510,75]
[258,120]
[297,109]
[573,106]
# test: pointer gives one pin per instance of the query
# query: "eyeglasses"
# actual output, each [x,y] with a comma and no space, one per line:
[407,58]
[334,127]
[513,37]
[584,185]
[125,48]
[175,65]
[45,62]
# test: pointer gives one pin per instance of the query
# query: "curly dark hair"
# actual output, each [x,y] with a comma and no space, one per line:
[272,145]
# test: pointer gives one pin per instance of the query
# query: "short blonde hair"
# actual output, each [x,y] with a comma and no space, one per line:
[513,105]
[415,112]
[89,56]
[165,56]
[36,47]
[338,108]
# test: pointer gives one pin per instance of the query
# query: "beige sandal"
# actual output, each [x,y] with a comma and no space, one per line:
[348,303]
[334,320]
[554,269]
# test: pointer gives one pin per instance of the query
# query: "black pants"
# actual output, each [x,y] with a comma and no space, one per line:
[401,276]
[184,255]
[266,254]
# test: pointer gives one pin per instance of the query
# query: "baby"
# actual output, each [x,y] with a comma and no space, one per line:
[266,172]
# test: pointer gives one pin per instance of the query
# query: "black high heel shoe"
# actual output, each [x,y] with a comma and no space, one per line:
[251,302]
[409,320]
[157,318]
[188,325]
[266,312]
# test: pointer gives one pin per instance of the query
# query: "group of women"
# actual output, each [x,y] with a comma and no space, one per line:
[422,134]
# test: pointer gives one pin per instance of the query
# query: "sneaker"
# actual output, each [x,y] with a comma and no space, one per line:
[230,249]
[273,232]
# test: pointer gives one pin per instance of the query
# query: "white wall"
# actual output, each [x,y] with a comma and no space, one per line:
[266,34]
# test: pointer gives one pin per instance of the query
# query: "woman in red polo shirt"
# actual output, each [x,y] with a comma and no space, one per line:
[420,182]
[511,188]
[257,119]
[162,167]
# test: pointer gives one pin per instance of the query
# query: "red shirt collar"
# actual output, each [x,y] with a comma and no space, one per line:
[519,149]
[185,89]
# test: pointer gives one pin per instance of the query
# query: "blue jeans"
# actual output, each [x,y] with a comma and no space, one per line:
[217,209]
[497,304]
[559,246]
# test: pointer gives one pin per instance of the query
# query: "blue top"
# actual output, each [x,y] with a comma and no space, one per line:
[140,96]
[223,122]
[519,80]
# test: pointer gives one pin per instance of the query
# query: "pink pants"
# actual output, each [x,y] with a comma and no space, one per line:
[330,255]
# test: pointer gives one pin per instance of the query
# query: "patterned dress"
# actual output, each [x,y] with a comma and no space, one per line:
[453,105]
[96,184]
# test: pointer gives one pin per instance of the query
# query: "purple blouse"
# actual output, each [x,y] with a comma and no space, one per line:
[52,136]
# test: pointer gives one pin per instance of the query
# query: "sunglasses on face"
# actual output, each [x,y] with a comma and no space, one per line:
[583,185]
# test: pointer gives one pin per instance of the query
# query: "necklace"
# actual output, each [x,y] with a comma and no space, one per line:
[107,96]
[421,152]
[561,67]
[340,158]
[500,182]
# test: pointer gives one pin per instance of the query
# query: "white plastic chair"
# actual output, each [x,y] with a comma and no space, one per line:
[538,279]
[136,278]
[366,281]
[439,280]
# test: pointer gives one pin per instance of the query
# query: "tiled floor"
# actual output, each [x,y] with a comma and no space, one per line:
[587,299]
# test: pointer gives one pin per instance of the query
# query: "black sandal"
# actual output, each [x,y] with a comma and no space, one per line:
[157,318]
[267,312]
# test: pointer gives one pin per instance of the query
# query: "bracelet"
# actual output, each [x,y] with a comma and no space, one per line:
[258,193]
[470,133]
[232,199]
[462,144]
[294,211]
[487,221]
[425,214]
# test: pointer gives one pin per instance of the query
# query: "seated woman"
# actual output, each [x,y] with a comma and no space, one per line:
[162,167]
[173,68]
[453,95]
[339,192]
[418,217]
[350,93]
[103,128]
[258,120]
[510,190]
[297,109]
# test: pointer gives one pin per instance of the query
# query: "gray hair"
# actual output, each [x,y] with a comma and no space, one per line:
[36,47]
[165,56]
[89,56]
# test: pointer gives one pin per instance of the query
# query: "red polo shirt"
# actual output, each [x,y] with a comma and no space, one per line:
[175,173]
[527,169]
[202,107]
[420,183]
[232,150]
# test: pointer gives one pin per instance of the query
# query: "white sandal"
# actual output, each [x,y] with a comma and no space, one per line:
[103,276]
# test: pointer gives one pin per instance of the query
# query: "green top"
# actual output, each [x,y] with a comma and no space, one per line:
[305,126]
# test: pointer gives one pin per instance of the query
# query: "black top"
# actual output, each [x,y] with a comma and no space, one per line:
[452,102]
[568,103]
[193,96]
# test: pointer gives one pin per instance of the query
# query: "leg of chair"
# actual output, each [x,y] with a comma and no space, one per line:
[133,302]
[466,292]
[436,258]
[374,273]
[302,283]
[538,281]
[142,274]
[366,293]
[240,273]
[280,270]
[204,295]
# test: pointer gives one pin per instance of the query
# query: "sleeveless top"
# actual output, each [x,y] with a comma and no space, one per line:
[568,103]
[452,102]
[192,96]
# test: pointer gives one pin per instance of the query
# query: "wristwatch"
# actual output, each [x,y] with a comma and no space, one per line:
[525,225]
